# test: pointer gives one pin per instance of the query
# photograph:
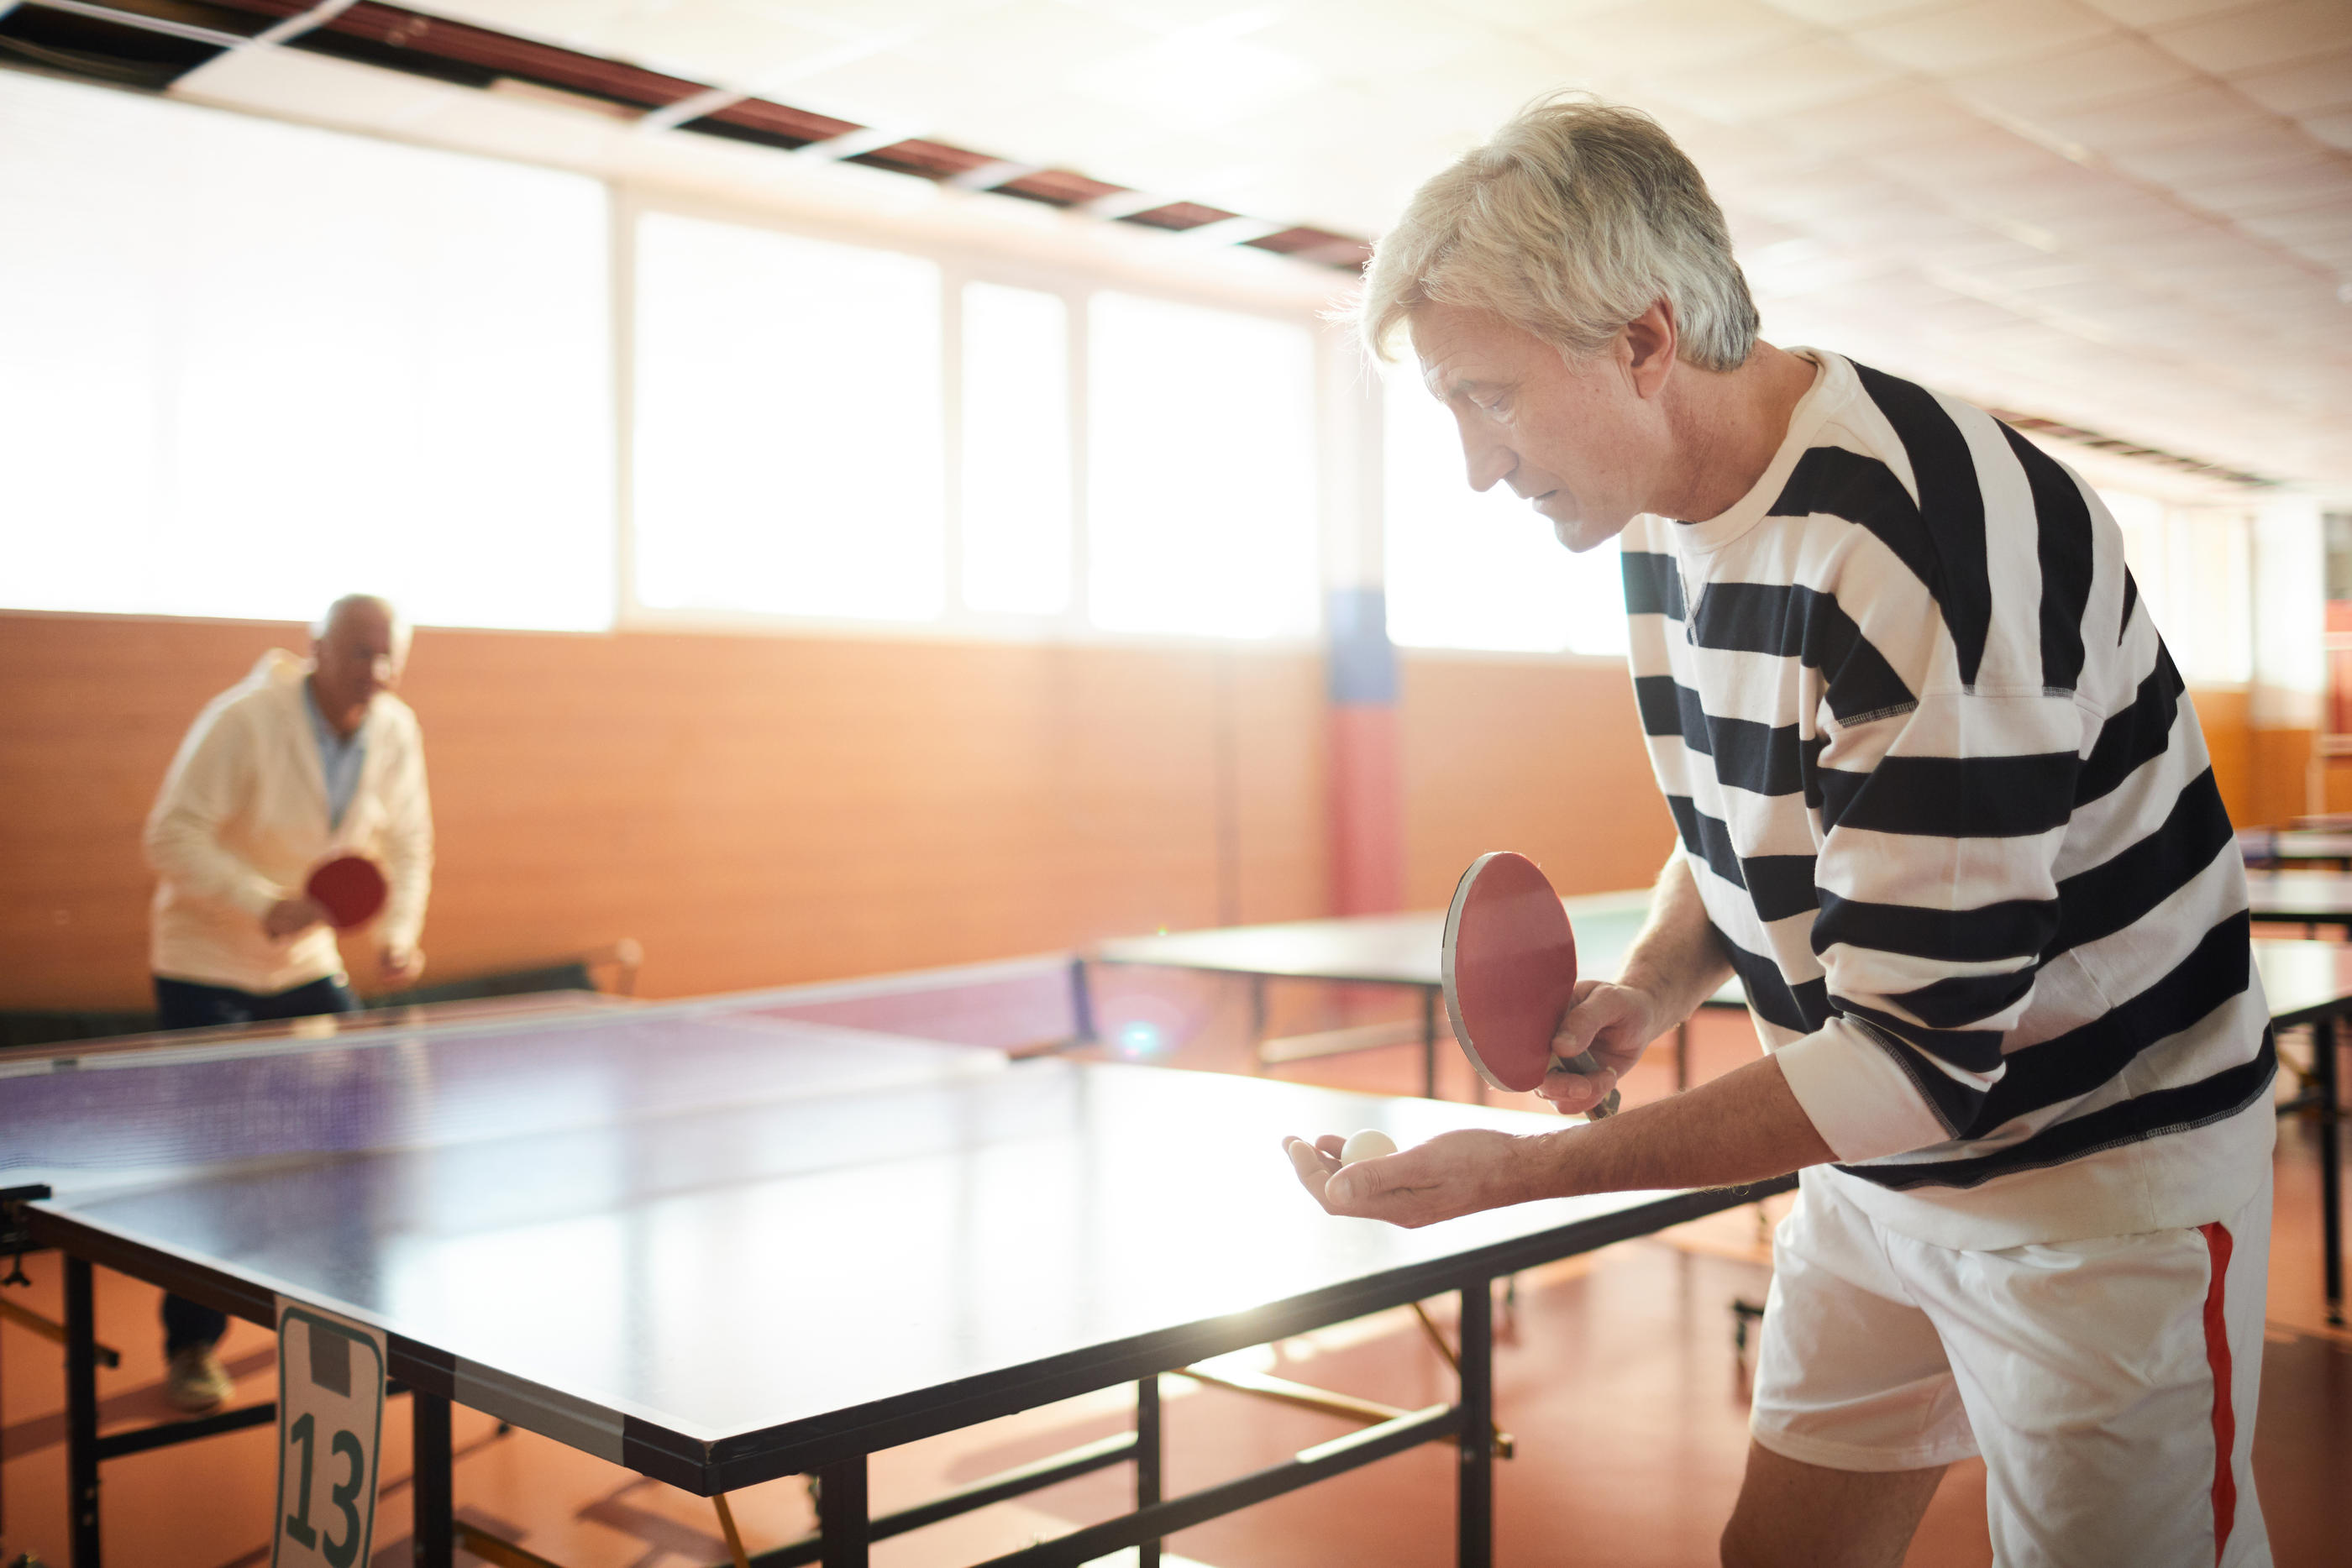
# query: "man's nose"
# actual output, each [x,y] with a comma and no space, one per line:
[1489,463]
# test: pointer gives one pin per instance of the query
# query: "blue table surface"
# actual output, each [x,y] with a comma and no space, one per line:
[725,1224]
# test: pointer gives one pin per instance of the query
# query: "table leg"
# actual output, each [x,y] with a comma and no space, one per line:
[843,1522]
[1474,1516]
[1082,1003]
[2331,1175]
[1257,1023]
[1147,1461]
[433,1538]
[1682,1056]
[1428,1043]
[81,1409]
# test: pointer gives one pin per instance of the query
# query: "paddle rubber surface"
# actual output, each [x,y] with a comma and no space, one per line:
[1509,969]
[349,888]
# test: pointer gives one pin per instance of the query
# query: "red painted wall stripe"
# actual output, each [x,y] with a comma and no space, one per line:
[2225,1418]
[1367,784]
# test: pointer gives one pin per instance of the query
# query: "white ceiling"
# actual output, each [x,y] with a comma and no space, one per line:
[2133,215]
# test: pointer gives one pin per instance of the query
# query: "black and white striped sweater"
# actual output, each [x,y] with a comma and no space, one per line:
[1946,804]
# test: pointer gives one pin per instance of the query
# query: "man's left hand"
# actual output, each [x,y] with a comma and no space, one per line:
[1454,1174]
[395,966]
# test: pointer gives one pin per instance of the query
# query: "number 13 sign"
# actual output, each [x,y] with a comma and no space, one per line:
[330,1416]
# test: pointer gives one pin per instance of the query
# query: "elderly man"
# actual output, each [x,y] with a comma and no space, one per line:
[299,762]
[1944,813]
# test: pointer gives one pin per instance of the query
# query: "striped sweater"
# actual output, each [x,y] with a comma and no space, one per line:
[1945,802]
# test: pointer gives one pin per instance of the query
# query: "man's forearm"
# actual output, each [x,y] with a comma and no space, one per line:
[1677,960]
[1743,1127]
[186,852]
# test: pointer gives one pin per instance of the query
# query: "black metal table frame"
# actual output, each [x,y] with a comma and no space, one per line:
[836,1450]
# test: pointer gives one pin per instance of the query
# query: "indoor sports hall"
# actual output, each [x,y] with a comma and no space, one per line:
[810,781]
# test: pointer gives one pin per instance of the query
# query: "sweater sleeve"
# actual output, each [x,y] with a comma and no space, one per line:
[211,775]
[1939,896]
[407,844]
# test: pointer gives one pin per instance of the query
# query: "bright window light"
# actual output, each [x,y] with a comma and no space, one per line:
[2195,569]
[788,433]
[1468,570]
[1201,471]
[1015,531]
[248,367]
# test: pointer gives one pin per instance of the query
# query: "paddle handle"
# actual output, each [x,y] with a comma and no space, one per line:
[1582,1063]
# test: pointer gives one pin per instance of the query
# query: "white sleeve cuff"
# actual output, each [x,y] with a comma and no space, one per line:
[1859,1098]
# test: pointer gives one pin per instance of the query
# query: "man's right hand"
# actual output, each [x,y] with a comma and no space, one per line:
[1614,1023]
[291,917]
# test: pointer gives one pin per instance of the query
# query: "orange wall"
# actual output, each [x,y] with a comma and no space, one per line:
[2282,773]
[2263,773]
[1539,757]
[754,810]
[2229,741]
[761,809]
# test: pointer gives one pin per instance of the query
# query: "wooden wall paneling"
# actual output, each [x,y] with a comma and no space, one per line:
[2281,762]
[1544,756]
[756,810]
[2222,713]
[91,709]
[1281,769]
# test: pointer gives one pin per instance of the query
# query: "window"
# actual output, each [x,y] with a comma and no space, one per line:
[1201,494]
[2194,565]
[1014,520]
[248,367]
[788,430]
[1468,570]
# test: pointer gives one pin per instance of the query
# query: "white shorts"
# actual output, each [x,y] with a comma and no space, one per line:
[2101,1380]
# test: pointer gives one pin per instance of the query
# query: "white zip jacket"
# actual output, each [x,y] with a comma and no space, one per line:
[242,817]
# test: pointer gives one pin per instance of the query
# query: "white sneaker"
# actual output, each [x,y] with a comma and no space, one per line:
[197,1381]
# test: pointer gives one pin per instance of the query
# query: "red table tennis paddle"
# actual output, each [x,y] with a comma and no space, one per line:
[349,888]
[1510,972]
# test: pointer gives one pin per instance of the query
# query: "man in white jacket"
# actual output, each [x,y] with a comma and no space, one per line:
[298,763]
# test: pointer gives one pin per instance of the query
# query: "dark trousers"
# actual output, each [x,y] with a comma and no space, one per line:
[184,1004]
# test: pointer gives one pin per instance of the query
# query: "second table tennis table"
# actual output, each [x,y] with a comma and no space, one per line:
[2307,983]
[1392,950]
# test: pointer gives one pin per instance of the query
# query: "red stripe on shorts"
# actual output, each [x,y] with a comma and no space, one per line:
[2225,1420]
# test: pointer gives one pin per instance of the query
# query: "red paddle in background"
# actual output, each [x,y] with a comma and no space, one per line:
[349,888]
[1510,971]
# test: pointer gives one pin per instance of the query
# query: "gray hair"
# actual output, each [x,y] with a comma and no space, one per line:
[1578,217]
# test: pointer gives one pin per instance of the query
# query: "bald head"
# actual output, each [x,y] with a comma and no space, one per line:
[357,650]
[374,607]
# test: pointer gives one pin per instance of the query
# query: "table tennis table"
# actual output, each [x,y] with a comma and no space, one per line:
[2295,846]
[2299,847]
[725,1241]
[1393,950]
[2312,899]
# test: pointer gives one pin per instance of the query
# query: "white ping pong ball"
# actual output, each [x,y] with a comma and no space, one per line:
[1368,1144]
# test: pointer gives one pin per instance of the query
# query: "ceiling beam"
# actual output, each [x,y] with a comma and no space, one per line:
[145,24]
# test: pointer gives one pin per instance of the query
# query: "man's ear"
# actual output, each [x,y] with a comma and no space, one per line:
[1651,341]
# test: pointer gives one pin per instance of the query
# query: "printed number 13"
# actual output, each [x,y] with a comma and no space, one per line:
[338,1553]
